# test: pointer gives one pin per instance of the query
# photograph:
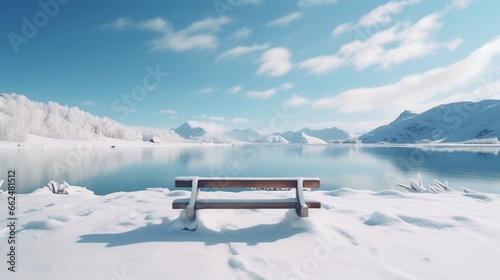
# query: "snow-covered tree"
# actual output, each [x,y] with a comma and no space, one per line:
[20,116]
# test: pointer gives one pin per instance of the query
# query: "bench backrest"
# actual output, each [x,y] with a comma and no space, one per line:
[235,182]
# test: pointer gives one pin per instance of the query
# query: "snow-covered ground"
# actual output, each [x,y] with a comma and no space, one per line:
[355,235]
[35,141]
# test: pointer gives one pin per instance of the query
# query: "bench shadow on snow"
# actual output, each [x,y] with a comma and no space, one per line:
[164,232]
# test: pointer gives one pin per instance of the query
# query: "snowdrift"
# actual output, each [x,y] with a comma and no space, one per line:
[356,235]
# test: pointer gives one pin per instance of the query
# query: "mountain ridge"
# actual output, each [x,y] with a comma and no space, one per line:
[447,123]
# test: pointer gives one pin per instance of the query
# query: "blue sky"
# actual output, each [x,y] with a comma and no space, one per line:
[261,64]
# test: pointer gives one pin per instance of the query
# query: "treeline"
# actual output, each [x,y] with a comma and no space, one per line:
[20,116]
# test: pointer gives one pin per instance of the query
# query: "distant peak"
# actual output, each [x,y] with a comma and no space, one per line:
[188,124]
[405,114]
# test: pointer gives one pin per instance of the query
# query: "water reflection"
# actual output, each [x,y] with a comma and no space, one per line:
[361,167]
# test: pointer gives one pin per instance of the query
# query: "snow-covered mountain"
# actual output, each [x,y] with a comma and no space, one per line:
[307,139]
[192,131]
[189,131]
[277,139]
[454,122]
[247,135]
[304,135]
[195,132]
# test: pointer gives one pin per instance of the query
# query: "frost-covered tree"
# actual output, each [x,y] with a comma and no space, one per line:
[20,116]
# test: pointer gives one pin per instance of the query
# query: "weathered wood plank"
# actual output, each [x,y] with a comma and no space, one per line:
[247,183]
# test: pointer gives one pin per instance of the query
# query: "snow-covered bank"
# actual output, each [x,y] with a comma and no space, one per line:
[355,235]
[41,142]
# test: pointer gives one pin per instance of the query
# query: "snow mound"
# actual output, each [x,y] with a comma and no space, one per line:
[342,192]
[41,225]
[425,222]
[296,222]
[184,223]
[381,219]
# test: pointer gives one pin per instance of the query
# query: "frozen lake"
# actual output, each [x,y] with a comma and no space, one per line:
[106,170]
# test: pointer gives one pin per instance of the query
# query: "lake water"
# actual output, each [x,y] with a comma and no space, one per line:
[106,170]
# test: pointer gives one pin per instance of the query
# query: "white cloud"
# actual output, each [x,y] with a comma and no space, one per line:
[322,64]
[120,23]
[241,50]
[242,33]
[209,126]
[264,94]
[284,21]
[389,47]
[240,120]
[211,118]
[341,29]
[315,2]
[460,4]
[422,91]
[234,89]
[156,24]
[168,112]
[181,42]
[208,89]
[452,45]
[286,86]
[383,14]
[208,24]
[297,100]
[275,62]
[89,103]
[198,35]
[379,16]
[268,93]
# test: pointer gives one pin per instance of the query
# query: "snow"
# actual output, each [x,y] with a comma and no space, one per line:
[449,123]
[355,235]
[311,140]
[41,142]
[65,188]
[483,141]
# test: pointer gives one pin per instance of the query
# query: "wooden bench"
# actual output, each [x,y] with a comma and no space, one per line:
[196,183]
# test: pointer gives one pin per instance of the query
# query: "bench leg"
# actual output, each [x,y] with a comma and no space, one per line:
[302,209]
[190,209]
[190,213]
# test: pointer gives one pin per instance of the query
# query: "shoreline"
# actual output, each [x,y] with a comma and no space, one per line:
[41,142]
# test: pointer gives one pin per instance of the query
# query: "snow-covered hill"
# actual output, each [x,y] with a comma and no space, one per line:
[20,117]
[277,139]
[326,135]
[454,122]
[195,132]
[247,135]
[189,131]
[307,139]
